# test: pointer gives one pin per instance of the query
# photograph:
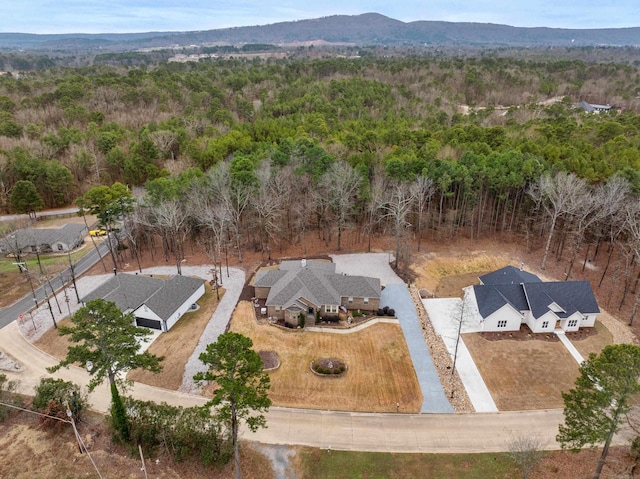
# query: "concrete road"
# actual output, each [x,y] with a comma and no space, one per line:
[433,433]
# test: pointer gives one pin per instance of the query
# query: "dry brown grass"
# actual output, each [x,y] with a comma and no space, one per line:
[380,372]
[177,345]
[594,343]
[27,451]
[523,375]
[54,344]
[432,270]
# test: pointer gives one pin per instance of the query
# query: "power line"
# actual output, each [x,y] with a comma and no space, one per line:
[68,421]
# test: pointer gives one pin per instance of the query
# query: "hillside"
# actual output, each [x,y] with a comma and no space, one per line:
[365,29]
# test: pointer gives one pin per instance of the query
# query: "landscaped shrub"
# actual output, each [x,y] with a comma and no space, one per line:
[385,310]
[391,312]
[380,312]
[53,396]
[328,366]
[302,319]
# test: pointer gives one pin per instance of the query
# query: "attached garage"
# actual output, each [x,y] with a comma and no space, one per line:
[148,323]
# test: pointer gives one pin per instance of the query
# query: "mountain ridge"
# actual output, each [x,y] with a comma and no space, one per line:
[363,29]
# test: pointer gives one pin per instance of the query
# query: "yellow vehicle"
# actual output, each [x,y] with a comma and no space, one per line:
[97,233]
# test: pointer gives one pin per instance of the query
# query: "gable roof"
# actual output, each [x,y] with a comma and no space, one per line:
[26,237]
[509,275]
[526,292]
[129,292]
[570,296]
[315,282]
[491,298]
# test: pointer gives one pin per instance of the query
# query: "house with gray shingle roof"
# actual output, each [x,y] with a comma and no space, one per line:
[313,287]
[156,303]
[44,240]
[510,297]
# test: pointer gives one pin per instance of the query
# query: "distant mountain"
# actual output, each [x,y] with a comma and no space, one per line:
[366,29]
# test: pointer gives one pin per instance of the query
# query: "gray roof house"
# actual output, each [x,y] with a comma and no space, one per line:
[156,303]
[510,297]
[44,240]
[593,107]
[313,287]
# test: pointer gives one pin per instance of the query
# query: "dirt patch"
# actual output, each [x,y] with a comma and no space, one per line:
[54,344]
[380,369]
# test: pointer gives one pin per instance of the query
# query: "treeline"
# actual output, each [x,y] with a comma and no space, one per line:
[480,130]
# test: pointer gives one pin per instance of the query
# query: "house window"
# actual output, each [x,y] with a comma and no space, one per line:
[502,323]
[350,300]
[545,324]
[277,309]
[331,308]
[366,301]
[573,323]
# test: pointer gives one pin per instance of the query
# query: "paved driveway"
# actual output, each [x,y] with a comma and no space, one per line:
[396,296]
[444,314]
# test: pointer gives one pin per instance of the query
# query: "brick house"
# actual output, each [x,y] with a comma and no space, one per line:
[313,287]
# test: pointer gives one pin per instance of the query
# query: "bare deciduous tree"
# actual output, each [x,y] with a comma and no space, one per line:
[396,206]
[526,452]
[339,185]
[424,189]
[557,195]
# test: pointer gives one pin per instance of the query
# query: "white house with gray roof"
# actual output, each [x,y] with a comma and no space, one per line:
[510,297]
[312,287]
[44,240]
[156,303]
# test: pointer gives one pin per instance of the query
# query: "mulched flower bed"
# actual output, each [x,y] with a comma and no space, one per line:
[270,360]
[525,334]
[328,367]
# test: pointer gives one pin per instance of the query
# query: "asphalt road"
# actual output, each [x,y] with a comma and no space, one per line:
[11,313]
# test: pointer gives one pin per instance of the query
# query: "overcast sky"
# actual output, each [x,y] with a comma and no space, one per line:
[118,16]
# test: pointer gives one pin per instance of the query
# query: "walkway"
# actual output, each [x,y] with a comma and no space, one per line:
[562,336]
[397,297]
[441,312]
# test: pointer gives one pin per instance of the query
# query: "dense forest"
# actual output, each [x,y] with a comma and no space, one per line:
[252,153]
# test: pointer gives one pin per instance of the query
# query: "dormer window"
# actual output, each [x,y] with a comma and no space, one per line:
[556,308]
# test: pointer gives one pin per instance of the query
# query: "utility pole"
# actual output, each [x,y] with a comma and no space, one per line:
[73,275]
